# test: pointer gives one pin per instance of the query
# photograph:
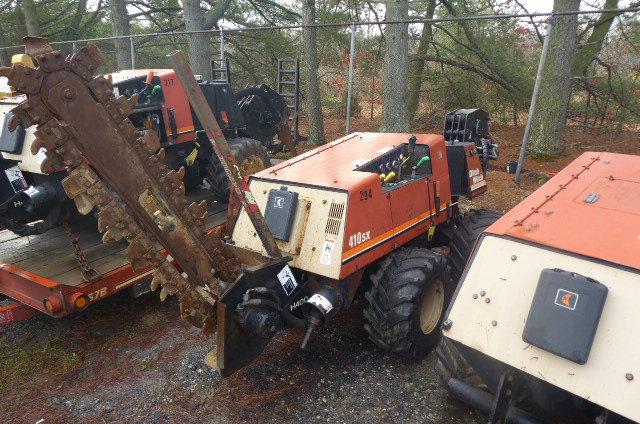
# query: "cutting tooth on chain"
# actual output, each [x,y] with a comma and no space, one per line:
[49,135]
[159,157]
[71,156]
[51,61]
[84,203]
[101,89]
[126,104]
[53,162]
[22,78]
[85,61]
[198,212]
[141,252]
[30,112]
[163,275]
[130,228]
[150,142]
[173,179]
[79,181]
[108,219]
[100,193]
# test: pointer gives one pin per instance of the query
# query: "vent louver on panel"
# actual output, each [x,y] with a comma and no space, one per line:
[334,220]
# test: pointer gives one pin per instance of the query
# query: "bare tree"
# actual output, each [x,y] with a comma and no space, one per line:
[548,118]
[121,24]
[196,19]
[418,62]
[31,18]
[588,51]
[395,116]
[314,99]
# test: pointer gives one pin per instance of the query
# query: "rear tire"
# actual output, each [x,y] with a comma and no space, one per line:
[463,237]
[251,157]
[407,301]
[451,364]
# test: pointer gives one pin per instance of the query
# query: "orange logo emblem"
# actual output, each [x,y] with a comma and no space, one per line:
[566,299]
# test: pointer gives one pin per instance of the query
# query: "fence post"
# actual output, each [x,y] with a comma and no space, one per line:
[351,72]
[534,99]
[133,52]
[222,56]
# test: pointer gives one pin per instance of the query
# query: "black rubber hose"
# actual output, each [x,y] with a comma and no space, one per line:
[41,227]
[286,315]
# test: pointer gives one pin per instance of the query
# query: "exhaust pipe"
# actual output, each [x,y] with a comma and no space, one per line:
[483,401]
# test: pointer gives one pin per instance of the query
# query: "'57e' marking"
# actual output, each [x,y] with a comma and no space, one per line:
[98,294]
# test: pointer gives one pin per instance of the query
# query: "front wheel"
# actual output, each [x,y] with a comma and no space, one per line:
[407,301]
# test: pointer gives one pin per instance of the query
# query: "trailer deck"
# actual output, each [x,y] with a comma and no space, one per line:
[50,255]
[40,274]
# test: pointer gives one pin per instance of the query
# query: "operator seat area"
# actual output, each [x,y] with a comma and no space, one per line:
[403,164]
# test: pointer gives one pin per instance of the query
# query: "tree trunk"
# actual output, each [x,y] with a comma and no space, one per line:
[548,118]
[314,97]
[418,62]
[590,49]
[395,116]
[121,27]
[199,44]
[31,18]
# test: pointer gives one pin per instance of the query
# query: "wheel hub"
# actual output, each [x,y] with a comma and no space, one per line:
[251,165]
[432,306]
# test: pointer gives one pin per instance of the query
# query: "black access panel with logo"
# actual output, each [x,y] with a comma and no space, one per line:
[280,212]
[565,313]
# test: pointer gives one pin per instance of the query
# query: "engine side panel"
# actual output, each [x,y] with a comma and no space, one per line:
[317,231]
[508,272]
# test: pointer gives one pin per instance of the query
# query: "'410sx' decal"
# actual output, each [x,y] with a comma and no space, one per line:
[359,237]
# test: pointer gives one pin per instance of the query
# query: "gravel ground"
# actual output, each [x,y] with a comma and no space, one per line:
[136,361]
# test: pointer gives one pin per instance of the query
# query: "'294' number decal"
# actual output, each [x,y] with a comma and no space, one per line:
[359,238]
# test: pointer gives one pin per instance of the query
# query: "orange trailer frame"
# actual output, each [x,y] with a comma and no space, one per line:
[36,294]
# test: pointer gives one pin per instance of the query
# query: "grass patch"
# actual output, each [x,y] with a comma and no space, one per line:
[18,365]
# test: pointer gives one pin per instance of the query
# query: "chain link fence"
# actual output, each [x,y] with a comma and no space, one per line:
[484,61]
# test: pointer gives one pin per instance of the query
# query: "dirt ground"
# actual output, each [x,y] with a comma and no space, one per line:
[135,361]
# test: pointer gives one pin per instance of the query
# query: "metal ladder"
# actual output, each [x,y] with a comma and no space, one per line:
[289,89]
[220,71]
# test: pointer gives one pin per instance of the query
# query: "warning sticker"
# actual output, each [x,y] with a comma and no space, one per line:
[327,250]
[287,280]
[321,302]
[16,179]
[41,156]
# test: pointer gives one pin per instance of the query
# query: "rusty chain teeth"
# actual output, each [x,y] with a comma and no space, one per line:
[198,213]
[28,113]
[149,141]
[89,189]
[26,80]
[51,62]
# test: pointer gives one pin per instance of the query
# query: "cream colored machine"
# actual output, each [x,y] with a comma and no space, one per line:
[544,325]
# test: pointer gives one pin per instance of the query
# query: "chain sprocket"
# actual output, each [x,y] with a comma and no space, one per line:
[114,167]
